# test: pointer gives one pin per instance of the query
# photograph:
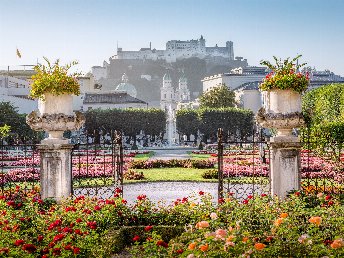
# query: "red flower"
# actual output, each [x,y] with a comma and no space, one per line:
[78,232]
[148,228]
[76,250]
[11,203]
[330,203]
[59,237]
[109,201]
[263,195]
[19,242]
[124,201]
[87,211]
[40,238]
[118,190]
[220,200]
[30,248]
[249,197]
[67,230]
[136,238]
[245,201]
[78,220]
[162,243]
[141,197]
[328,197]
[4,250]
[92,224]
[51,245]
[180,251]
[97,208]
[201,193]
[297,193]
[56,251]
[68,247]
[70,208]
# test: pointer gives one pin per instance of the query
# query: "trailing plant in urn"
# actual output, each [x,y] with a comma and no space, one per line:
[285,75]
[54,79]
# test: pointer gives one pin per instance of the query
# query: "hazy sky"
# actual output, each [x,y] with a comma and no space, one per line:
[88,31]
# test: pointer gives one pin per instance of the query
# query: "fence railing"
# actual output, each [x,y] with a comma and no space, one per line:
[19,166]
[243,166]
[97,168]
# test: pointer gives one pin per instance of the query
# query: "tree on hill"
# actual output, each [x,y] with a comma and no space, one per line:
[218,97]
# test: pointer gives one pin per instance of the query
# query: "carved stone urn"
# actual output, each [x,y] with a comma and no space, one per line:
[281,110]
[55,115]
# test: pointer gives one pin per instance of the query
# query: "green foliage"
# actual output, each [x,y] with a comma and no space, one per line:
[210,174]
[187,121]
[284,76]
[54,79]
[4,130]
[89,227]
[17,122]
[323,109]
[124,236]
[218,97]
[129,121]
[233,121]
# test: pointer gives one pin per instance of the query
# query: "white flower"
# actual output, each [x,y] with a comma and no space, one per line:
[213,216]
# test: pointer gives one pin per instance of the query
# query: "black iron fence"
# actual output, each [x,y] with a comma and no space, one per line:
[322,170]
[97,168]
[243,166]
[19,165]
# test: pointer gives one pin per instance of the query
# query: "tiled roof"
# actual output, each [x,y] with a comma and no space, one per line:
[111,98]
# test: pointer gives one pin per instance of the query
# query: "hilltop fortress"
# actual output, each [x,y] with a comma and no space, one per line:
[178,49]
[146,67]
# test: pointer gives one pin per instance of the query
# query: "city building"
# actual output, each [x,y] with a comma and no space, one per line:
[16,92]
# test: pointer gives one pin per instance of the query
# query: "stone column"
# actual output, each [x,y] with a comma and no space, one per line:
[285,165]
[56,174]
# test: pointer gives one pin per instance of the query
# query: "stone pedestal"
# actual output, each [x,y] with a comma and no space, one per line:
[55,115]
[56,174]
[285,165]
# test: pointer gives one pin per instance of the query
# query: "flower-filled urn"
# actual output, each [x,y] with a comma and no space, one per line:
[281,93]
[53,87]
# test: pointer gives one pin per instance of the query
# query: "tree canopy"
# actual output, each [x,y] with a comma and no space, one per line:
[237,123]
[323,109]
[218,97]
[16,122]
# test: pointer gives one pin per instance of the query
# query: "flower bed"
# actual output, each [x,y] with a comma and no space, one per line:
[259,226]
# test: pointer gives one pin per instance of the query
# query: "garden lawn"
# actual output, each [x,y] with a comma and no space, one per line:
[198,156]
[174,174]
[145,156]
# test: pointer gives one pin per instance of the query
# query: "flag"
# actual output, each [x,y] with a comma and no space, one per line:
[18,53]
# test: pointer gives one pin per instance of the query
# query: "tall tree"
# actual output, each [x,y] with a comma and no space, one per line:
[323,109]
[187,122]
[218,97]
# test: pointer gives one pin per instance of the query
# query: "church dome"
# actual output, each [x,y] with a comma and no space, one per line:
[126,86]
